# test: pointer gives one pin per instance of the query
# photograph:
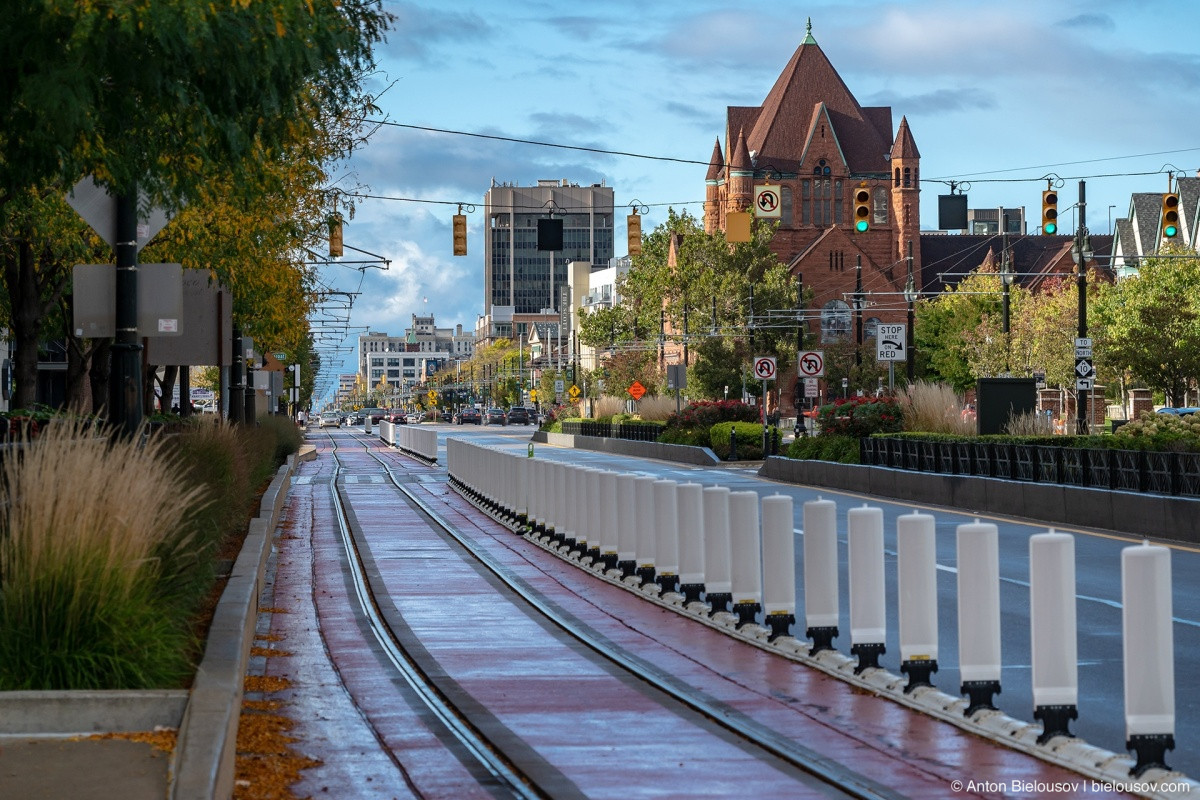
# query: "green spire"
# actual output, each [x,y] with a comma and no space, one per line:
[808,37]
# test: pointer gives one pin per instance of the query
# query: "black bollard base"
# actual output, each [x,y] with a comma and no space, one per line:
[779,624]
[822,638]
[1151,750]
[667,581]
[868,655]
[1055,720]
[594,554]
[918,672]
[569,543]
[646,573]
[610,561]
[746,613]
[628,568]
[979,695]
[691,592]
[718,601]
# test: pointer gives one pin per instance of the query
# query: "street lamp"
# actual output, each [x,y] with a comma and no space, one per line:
[1081,254]
[910,297]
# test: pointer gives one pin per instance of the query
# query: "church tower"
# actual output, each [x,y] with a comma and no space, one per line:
[713,219]
[740,184]
[905,162]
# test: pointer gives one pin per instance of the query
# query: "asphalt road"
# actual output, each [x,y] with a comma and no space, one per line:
[1098,595]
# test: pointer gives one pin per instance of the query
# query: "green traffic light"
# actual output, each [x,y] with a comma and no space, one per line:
[1050,229]
[861,226]
[1170,231]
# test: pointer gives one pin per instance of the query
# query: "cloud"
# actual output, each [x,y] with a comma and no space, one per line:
[418,30]
[939,101]
[1095,22]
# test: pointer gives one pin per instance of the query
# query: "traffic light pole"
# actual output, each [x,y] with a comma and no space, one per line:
[1081,419]
[125,381]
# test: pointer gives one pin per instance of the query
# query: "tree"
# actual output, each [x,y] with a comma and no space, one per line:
[154,95]
[706,267]
[1149,324]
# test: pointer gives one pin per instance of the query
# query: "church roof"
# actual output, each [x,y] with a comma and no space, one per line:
[905,146]
[739,155]
[716,163]
[779,128]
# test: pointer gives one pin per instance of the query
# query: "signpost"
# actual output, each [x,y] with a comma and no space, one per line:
[764,370]
[636,390]
[891,345]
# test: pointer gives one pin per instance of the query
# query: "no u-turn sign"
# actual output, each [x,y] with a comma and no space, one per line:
[764,368]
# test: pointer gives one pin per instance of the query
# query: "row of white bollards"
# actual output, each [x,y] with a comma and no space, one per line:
[420,441]
[712,550]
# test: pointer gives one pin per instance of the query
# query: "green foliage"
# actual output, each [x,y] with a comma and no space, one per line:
[1149,324]
[844,449]
[692,425]
[749,440]
[859,416]
[1154,431]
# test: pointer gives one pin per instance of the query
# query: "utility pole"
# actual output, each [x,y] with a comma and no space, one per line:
[125,381]
[1082,253]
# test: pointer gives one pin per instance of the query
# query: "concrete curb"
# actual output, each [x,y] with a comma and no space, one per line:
[679,453]
[205,753]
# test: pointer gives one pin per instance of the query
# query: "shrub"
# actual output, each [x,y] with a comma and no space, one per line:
[749,440]
[934,408]
[1152,431]
[89,528]
[844,449]
[859,416]
[1029,423]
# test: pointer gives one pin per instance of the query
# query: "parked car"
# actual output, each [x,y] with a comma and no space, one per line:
[518,414]
[1182,412]
[330,419]
[495,415]
[395,417]
[471,415]
[414,417]
[373,414]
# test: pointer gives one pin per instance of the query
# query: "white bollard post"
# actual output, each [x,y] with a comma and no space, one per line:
[718,586]
[607,520]
[1149,650]
[646,545]
[821,605]
[916,570]
[745,550]
[1052,628]
[666,550]
[979,614]
[578,508]
[521,493]
[627,524]
[560,506]
[691,541]
[779,564]
[868,600]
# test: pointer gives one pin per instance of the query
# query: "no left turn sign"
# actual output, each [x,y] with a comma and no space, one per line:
[764,368]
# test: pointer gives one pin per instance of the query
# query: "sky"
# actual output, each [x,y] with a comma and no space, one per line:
[998,96]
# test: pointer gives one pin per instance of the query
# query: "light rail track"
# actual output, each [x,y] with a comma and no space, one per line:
[484,738]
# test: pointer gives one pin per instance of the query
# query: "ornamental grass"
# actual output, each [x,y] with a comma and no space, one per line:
[934,408]
[90,528]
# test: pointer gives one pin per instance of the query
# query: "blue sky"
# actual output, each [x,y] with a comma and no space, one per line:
[999,95]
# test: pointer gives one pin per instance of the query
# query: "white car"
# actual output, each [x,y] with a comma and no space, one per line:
[330,419]
[414,418]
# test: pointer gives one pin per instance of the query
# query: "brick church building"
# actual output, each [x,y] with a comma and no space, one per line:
[812,139]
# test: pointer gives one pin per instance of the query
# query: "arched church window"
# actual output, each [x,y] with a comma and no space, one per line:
[896,181]
[837,202]
[881,206]
[907,177]
[835,320]
[785,205]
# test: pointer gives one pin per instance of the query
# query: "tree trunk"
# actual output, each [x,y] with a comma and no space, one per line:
[20,277]
[79,388]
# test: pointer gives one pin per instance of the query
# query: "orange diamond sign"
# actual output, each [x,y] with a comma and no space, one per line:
[637,390]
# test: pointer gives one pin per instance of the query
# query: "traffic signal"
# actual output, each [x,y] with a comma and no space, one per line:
[1170,215]
[862,209]
[633,224]
[460,234]
[1050,212]
[335,236]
